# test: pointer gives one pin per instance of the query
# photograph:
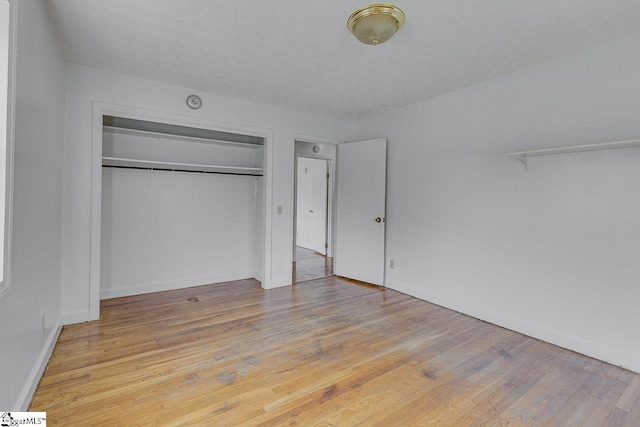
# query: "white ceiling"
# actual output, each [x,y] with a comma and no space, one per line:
[298,54]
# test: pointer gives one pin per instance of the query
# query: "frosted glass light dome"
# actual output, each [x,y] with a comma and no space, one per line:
[376,23]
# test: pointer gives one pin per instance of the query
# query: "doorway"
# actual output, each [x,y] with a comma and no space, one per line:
[312,219]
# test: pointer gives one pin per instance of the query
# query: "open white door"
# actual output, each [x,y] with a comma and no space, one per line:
[360,239]
[311,209]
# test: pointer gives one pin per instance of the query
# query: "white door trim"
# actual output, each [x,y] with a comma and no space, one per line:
[332,189]
[99,110]
[330,193]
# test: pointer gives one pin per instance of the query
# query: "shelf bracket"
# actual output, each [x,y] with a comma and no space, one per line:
[522,159]
[522,156]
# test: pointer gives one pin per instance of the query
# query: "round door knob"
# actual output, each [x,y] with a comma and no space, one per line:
[378,219]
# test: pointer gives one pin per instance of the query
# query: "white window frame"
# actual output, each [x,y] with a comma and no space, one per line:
[5,284]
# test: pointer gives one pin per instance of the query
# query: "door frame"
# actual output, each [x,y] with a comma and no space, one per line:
[329,201]
[101,109]
[313,140]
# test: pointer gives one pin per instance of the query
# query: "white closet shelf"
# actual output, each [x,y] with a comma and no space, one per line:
[173,166]
[522,156]
[172,137]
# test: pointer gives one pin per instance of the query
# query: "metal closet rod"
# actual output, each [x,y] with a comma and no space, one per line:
[179,170]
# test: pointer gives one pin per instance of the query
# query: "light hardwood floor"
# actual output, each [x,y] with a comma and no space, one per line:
[327,352]
[311,265]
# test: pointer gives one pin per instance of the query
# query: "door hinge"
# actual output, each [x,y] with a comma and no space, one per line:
[327,176]
[326,246]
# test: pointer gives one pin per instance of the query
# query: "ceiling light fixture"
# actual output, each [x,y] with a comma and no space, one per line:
[376,23]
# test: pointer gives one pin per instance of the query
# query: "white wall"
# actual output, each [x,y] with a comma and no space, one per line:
[259,234]
[167,230]
[37,206]
[327,149]
[122,143]
[552,252]
[5,21]
[86,85]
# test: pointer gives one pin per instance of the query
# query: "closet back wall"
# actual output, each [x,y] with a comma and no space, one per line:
[166,230]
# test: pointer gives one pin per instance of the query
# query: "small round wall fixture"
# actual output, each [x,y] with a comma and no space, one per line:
[194,101]
[316,148]
[376,23]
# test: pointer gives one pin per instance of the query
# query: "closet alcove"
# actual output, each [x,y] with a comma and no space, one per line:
[181,206]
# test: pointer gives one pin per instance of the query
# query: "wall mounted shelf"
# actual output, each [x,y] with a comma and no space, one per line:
[120,162]
[173,137]
[523,156]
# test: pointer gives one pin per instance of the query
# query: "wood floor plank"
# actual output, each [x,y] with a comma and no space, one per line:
[633,413]
[311,265]
[323,352]
[462,389]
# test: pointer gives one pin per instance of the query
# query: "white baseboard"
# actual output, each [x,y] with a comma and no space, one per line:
[167,286]
[76,317]
[38,369]
[85,315]
[278,283]
[570,342]
[258,276]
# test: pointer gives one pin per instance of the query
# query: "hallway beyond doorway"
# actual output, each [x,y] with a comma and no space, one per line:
[311,265]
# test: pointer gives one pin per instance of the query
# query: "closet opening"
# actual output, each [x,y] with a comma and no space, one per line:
[180,206]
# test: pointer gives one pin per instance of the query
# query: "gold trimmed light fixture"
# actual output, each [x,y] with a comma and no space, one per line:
[376,23]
